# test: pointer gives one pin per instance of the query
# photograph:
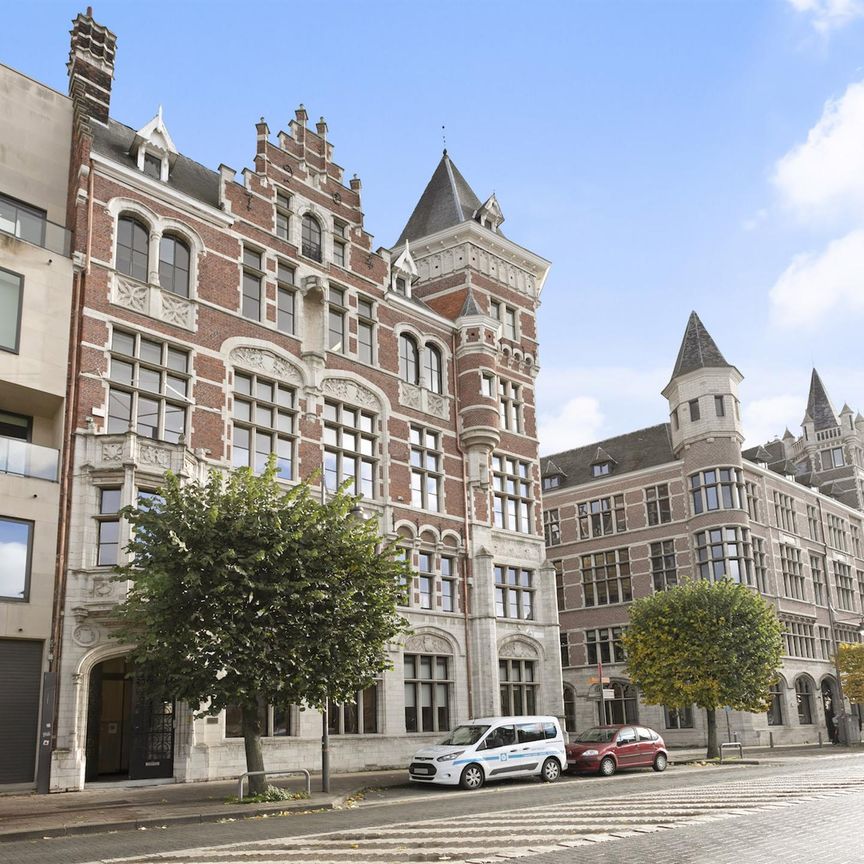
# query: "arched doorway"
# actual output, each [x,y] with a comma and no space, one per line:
[828,703]
[128,737]
[623,707]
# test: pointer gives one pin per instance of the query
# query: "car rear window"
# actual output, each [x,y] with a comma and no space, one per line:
[644,734]
[550,730]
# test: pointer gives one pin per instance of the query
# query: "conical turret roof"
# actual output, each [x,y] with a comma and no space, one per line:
[819,407]
[448,200]
[698,350]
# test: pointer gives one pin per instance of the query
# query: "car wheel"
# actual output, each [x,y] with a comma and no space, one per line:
[550,771]
[660,762]
[607,766]
[472,777]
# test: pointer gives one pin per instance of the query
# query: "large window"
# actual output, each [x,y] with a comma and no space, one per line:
[798,638]
[350,448]
[365,331]
[813,522]
[510,405]
[832,458]
[311,238]
[409,367]
[724,553]
[552,527]
[426,459]
[760,565]
[426,580]
[604,645]
[108,530]
[174,265]
[514,593]
[276,721]
[16,540]
[775,709]
[784,513]
[336,319]
[664,570]
[844,587]
[340,256]
[602,516]
[253,279]
[264,423]
[793,573]
[359,717]
[678,718]
[133,248]
[606,577]
[751,492]
[837,532]
[817,570]
[657,504]
[804,698]
[434,378]
[285,298]
[517,680]
[283,215]
[716,489]
[11,294]
[511,484]
[149,387]
[22,221]
[448,584]
[507,316]
[427,693]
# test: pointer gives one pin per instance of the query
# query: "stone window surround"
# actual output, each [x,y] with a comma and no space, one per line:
[423,340]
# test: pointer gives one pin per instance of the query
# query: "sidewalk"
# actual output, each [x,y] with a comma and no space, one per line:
[126,807]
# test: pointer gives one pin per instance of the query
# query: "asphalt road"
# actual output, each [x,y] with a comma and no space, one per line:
[786,811]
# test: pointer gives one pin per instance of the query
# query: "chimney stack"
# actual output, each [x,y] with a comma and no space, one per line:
[91,66]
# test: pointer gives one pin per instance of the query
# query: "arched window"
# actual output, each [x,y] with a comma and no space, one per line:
[433,369]
[311,238]
[174,265]
[570,709]
[804,697]
[624,706]
[133,247]
[408,364]
[775,710]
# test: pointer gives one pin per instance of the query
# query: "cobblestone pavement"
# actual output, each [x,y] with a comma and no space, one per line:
[644,825]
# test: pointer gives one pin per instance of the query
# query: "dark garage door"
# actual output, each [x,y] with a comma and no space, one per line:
[20,676]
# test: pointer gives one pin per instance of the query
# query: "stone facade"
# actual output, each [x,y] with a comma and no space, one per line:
[630,515]
[225,315]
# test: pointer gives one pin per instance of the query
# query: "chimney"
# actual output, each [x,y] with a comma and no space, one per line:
[91,66]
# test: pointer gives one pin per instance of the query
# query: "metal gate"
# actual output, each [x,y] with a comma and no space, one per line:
[20,682]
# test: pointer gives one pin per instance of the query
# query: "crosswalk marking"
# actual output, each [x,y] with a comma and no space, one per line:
[502,836]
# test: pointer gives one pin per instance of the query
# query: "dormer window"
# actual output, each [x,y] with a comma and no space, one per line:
[552,482]
[601,469]
[152,166]
[400,285]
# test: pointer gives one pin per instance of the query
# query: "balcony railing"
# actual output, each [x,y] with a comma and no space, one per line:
[32,227]
[28,460]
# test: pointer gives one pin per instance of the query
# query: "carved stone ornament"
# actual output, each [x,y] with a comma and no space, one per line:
[177,310]
[437,405]
[349,391]
[518,549]
[101,586]
[519,650]
[85,635]
[427,643]
[112,451]
[151,455]
[410,395]
[265,361]
[132,295]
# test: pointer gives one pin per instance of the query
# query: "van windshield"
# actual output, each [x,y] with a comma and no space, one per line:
[463,735]
[596,735]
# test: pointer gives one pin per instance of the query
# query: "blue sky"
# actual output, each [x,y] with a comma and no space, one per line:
[665,156]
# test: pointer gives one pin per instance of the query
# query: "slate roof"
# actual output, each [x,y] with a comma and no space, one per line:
[448,200]
[186,176]
[631,452]
[698,349]
[819,406]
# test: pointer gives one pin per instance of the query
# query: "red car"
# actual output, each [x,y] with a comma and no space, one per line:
[605,749]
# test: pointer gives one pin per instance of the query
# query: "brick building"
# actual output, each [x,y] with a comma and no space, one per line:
[221,317]
[637,513]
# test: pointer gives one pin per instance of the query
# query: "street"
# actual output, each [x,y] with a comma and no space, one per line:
[789,810]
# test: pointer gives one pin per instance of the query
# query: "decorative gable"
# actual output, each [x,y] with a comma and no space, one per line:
[489,213]
[153,148]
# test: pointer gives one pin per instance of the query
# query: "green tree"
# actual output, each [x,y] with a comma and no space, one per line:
[708,643]
[850,662]
[246,593]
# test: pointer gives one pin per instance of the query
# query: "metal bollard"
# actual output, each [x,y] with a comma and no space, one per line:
[771,740]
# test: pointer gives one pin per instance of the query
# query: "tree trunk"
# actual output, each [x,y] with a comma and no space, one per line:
[252,742]
[713,747]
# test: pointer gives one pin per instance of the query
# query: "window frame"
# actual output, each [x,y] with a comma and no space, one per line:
[409,359]
[515,590]
[134,220]
[252,271]
[416,682]
[431,479]
[28,559]
[655,498]
[512,484]
[366,324]
[310,247]
[177,240]
[16,349]
[526,687]
[339,452]
[108,517]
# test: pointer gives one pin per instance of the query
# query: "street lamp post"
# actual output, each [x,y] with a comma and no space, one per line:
[841,718]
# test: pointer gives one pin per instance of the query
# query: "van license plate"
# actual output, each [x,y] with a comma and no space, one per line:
[421,769]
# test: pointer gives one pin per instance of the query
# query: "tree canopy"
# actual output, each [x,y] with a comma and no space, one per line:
[709,643]
[850,662]
[245,593]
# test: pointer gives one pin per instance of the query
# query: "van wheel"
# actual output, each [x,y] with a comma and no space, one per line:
[550,771]
[607,766]
[660,762]
[472,777]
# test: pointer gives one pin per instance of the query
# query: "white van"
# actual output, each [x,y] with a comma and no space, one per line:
[491,748]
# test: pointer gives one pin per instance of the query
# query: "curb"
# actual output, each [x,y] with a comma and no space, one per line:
[154,822]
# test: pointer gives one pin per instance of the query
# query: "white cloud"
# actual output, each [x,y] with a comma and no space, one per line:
[814,286]
[823,178]
[768,418]
[827,15]
[576,422]
[13,561]
[751,223]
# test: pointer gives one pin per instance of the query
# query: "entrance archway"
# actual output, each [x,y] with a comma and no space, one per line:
[128,736]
